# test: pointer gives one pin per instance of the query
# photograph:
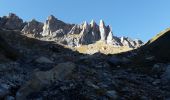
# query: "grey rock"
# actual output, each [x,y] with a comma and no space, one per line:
[112,94]
[52,24]
[95,31]
[131,43]
[58,33]
[43,79]
[92,85]
[150,58]
[9,98]
[110,38]
[75,30]
[43,60]
[127,42]
[118,61]
[166,75]
[158,68]
[12,22]
[90,33]
[33,27]
[138,43]
[4,90]
[156,82]
[71,41]
[102,29]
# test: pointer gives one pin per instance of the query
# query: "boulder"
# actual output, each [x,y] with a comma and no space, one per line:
[166,75]
[43,60]
[118,60]
[43,79]
[112,94]
[9,98]
[4,90]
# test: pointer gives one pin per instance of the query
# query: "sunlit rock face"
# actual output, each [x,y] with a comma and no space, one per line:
[102,29]
[33,27]
[131,43]
[71,35]
[52,24]
[90,33]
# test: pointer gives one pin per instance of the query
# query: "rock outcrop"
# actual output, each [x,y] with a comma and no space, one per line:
[103,31]
[72,35]
[95,30]
[76,29]
[33,27]
[52,25]
[131,43]
[90,33]
[42,79]
[11,22]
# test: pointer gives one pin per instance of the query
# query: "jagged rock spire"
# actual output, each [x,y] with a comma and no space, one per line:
[102,29]
[85,25]
[51,17]
[52,25]
[110,36]
[33,27]
[93,23]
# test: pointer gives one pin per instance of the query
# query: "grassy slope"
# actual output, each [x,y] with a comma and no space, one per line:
[101,47]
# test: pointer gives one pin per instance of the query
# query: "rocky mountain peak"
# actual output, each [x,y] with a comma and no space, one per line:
[57,30]
[33,27]
[52,24]
[102,24]
[93,23]
[85,25]
[109,39]
[51,17]
[102,29]
[12,22]
[12,15]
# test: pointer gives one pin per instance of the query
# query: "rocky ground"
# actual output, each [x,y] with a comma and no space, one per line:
[45,71]
[32,68]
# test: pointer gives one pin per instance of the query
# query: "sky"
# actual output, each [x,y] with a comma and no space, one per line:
[141,19]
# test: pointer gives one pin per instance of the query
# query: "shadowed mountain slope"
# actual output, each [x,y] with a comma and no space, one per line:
[159,46]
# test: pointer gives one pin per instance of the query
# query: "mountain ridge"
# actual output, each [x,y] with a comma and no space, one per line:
[72,35]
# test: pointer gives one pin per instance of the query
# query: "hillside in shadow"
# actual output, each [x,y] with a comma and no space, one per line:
[36,69]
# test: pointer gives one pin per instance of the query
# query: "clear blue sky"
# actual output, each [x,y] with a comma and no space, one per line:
[134,18]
